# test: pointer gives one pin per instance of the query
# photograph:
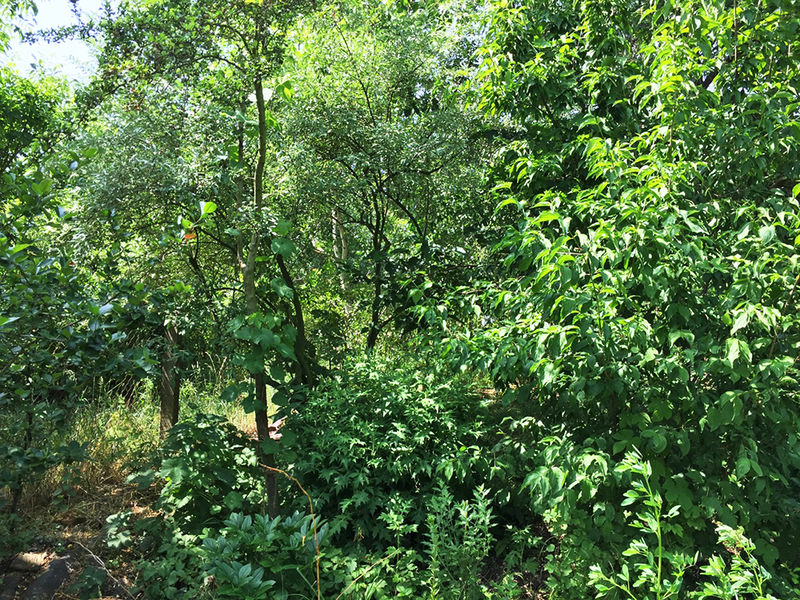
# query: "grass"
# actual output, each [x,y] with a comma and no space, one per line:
[120,439]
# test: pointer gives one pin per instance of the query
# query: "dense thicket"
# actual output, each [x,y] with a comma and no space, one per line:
[497,281]
[653,266]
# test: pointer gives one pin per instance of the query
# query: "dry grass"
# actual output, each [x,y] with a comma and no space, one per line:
[64,512]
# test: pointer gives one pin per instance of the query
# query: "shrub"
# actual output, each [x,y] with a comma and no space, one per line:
[210,538]
[380,437]
[209,469]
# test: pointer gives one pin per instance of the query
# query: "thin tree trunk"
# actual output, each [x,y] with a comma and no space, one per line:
[377,281]
[262,416]
[374,325]
[16,495]
[169,383]
[341,250]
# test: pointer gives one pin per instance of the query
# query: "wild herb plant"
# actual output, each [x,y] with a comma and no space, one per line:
[651,571]
[458,542]
[656,572]
[208,469]
[739,576]
[211,538]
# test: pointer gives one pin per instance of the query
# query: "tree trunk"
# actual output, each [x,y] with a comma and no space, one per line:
[374,325]
[341,250]
[170,381]
[262,416]
[377,277]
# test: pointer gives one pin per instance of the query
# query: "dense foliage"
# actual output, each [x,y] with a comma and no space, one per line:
[653,266]
[508,288]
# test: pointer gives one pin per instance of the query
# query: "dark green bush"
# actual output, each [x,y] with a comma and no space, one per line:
[379,438]
[211,538]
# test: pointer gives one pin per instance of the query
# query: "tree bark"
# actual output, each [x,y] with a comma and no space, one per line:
[262,415]
[169,382]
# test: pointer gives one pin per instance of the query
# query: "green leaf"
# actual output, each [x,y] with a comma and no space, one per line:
[280,287]
[705,47]
[742,466]
[265,338]
[741,322]
[767,234]
[744,350]
[269,446]
[251,404]
[42,187]
[253,362]
[736,348]
[545,217]
[283,246]
[659,442]
[231,393]
[682,334]
[286,89]
[206,208]
[6,320]
[277,373]
[233,500]
[283,227]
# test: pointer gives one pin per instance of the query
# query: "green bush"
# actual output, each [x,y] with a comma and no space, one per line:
[209,469]
[450,562]
[652,267]
[210,538]
[382,436]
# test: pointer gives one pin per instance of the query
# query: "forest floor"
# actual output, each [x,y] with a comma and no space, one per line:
[64,553]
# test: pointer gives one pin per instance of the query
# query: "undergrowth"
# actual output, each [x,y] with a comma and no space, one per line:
[111,437]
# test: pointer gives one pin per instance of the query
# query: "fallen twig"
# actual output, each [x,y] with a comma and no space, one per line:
[102,565]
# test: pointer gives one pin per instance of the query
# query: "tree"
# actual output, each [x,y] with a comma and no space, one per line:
[57,320]
[236,45]
[653,262]
[384,153]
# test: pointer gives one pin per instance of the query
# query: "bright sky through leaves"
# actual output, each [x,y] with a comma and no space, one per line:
[72,58]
